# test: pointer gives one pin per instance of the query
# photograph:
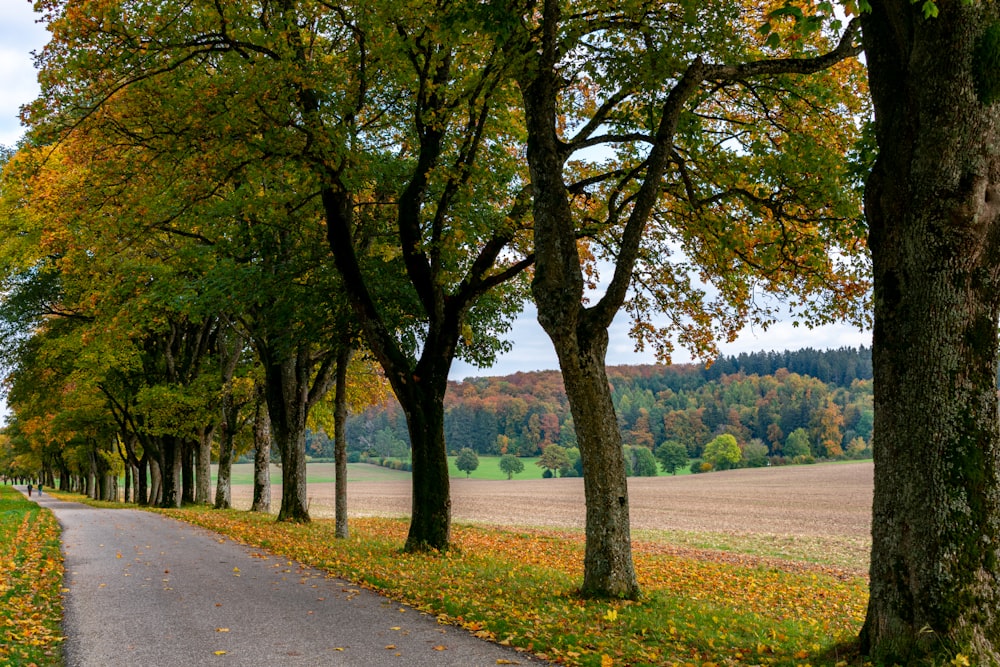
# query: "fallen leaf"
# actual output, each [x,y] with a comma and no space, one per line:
[220,653]
[222,629]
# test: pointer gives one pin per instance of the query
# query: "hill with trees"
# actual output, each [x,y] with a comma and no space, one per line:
[802,405]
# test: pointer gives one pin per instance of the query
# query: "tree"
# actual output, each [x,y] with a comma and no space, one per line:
[511,465]
[664,114]
[934,232]
[467,461]
[754,454]
[643,462]
[672,456]
[797,444]
[553,459]
[723,452]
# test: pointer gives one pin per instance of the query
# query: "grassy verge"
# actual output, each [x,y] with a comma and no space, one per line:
[517,587]
[30,580]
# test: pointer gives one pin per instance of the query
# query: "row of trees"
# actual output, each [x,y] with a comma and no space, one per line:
[192,169]
[526,413]
[412,159]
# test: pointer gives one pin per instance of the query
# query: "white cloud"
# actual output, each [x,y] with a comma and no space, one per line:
[19,36]
[533,351]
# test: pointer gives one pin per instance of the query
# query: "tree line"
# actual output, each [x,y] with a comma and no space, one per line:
[691,404]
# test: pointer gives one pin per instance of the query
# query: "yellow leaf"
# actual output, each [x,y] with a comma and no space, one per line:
[390,647]
[222,629]
[606,661]
[440,647]
[220,653]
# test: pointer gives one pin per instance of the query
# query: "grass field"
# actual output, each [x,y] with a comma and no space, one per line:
[319,473]
[30,579]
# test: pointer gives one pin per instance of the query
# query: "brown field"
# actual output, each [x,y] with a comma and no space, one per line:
[819,513]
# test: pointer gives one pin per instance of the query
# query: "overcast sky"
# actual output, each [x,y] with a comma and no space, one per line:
[20,35]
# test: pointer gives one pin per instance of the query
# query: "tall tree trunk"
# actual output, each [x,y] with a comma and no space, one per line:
[933,206]
[223,487]
[430,516]
[142,482]
[340,440]
[608,568]
[188,449]
[261,457]
[579,336]
[291,390]
[128,482]
[170,471]
[203,465]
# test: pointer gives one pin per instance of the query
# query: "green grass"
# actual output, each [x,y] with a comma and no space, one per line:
[489,468]
[30,579]
[317,473]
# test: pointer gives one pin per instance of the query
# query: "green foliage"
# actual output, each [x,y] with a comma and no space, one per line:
[723,452]
[553,459]
[511,465]
[797,444]
[467,461]
[643,462]
[672,455]
[754,454]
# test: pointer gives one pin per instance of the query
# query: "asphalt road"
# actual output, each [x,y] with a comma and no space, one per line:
[149,591]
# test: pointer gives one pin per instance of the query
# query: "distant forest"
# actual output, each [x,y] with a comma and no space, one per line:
[760,398]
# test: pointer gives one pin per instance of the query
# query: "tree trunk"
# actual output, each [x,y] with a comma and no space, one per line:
[932,202]
[261,459]
[430,519]
[203,466]
[142,482]
[188,449]
[340,441]
[170,471]
[223,487]
[287,387]
[579,336]
[608,569]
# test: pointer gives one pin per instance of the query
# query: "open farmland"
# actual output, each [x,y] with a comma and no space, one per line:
[819,512]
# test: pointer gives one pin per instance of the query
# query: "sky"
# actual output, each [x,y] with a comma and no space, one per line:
[532,350]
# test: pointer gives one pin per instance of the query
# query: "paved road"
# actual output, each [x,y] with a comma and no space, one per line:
[146,590]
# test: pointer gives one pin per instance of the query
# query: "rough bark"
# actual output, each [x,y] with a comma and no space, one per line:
[293,383]
[261,458]
[286,402]
[223,487]
[170,471]
[189,449]
[608,568]
[933,207]
[430,516]
[340,441]
[203,466]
